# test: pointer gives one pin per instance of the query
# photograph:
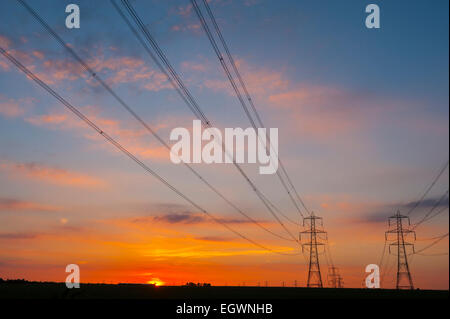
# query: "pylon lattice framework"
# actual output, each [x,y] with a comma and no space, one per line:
[334,278]
[404,278]
[317,237]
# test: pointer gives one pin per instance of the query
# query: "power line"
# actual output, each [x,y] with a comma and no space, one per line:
[247,94]
[441,171]
[191,100]
[138,118]
[443,209]
[238,94]
[126,152]
[383,254]
[432,244]
[426,239]
[433,255]
[387,273]
[194,106]
[282,214]
[427,215]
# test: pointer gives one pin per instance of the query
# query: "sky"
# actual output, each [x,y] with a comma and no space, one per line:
[363,125]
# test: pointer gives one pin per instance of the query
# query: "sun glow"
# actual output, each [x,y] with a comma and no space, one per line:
[156,281]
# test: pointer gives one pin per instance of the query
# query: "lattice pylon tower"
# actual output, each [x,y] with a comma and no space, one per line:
[400,245]
[316,238]
[334,278]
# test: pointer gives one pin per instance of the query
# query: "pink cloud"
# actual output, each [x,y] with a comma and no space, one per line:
[259,81]
[4,42]
[115,70]
[314,111]
[313,116]
[14,108]
[52,175]
[11,108]
[135,139]
[194,27]
[9,204]
[38,54]
[193,66]
[184,10]
[4,65]
[305,96]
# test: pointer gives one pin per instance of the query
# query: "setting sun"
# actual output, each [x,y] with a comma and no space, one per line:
[156,281]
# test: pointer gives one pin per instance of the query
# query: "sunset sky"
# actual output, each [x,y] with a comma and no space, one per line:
[363,128]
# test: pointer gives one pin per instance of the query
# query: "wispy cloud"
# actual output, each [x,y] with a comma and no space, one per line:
[13,204]
[14,107]
[195,218]
[183,10]
[14,236]
[52,175]
[185,218]
[212,238]
[135,138]
[381,212]
[427,203]
[115,69]
[4,42]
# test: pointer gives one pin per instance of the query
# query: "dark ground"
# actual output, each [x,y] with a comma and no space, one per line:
[137,291]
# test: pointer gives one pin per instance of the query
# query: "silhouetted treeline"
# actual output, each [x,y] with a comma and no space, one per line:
[13,281]
[191,284]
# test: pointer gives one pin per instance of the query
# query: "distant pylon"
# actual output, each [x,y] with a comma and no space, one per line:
[404,279]
[334,278]
[314,235]
[340,282]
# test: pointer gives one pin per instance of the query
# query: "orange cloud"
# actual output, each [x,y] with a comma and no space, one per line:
[125,69]
[38,54]
[259,81]
[48,119]
[116,70]
[9,204]
[314,111]
[305,96]
[135,139]
[194,27]
[52,175]
[184,10]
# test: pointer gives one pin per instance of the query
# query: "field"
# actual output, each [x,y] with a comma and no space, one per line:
[142,291]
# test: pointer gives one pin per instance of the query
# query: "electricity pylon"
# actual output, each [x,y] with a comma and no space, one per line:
[334,278]
[316,238]
[404,279]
